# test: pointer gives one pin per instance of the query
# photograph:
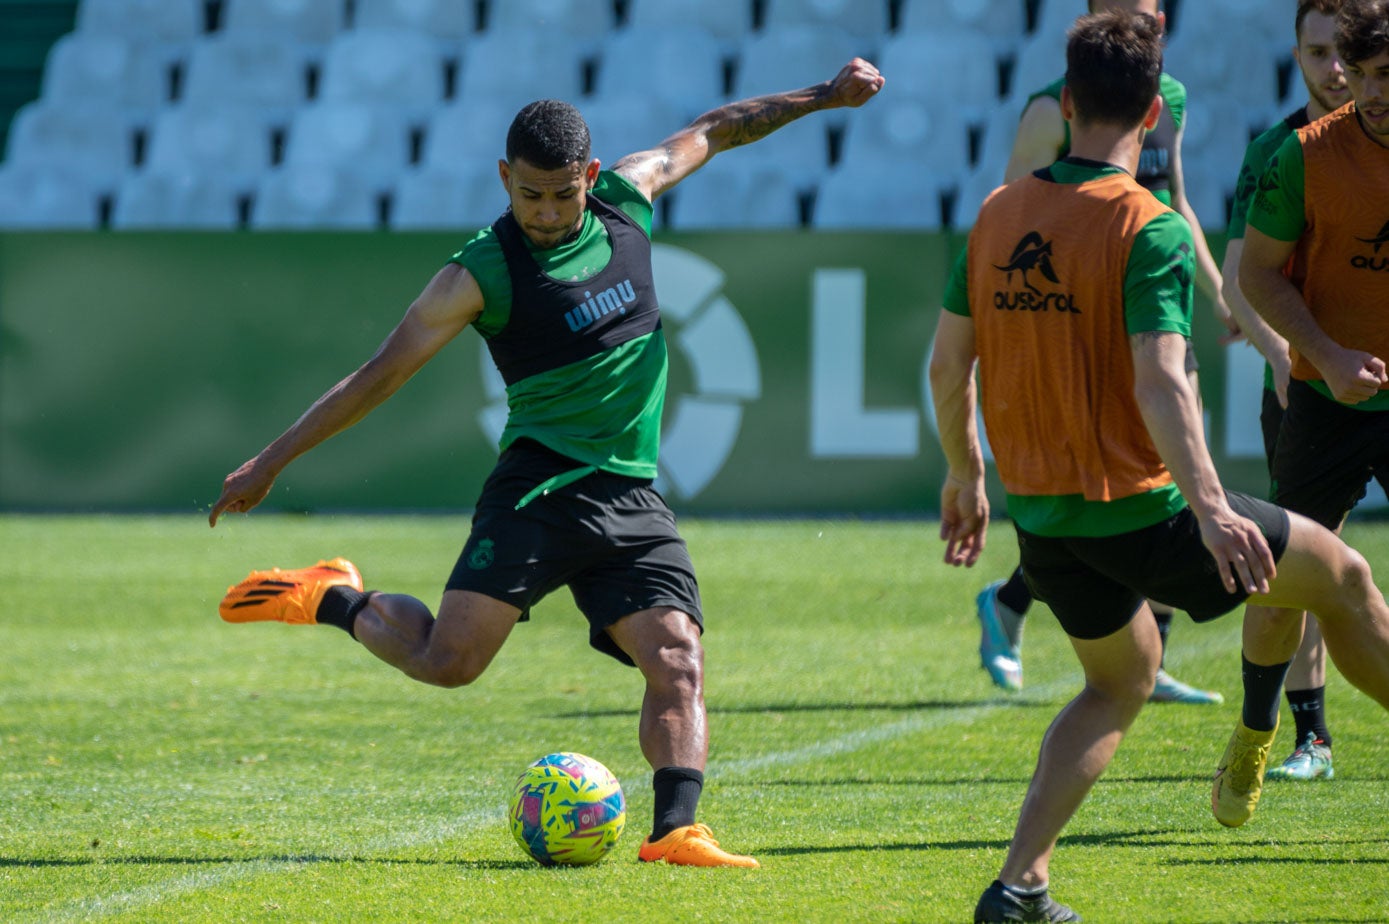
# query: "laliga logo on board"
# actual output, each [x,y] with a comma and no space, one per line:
[701,324]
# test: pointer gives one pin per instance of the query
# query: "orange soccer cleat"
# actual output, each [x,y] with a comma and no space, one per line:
[692,845]
[287,596]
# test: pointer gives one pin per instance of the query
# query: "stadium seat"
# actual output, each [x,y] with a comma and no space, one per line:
[682,67]
[1216,132]
[960,67]
[197,200]
[106,70]
[911,201]
[582,21]
[729,21]
[1040,60]
[489,71]
[399,68]
[972,192]
[228,141]
[306,196]
[250,69]
[166,27]
[1054,17]
[370,142]
[434,198]
[619,125]
[864,19]
[93,140]
[725,194]
[42,197]
[460,136]
[996,143]
[908,134]
[1003,21]
[795,57]
[1243,71]
[447,21]
[800,150]
[313,22]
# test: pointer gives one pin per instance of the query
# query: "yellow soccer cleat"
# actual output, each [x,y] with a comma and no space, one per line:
[287,596]
[692,845]
[1239,777]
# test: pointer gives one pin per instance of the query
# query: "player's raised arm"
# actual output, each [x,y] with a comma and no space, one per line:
[1041,133]
[656,170]
[448,303]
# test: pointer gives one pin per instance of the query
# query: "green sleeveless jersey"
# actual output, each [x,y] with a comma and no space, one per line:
[603,410]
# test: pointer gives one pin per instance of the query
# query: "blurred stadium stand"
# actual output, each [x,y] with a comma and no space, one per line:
[393,113]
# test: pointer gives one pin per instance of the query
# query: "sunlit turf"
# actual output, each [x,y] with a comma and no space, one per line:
[159,765]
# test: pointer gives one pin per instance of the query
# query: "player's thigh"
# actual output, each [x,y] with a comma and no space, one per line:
[1313,569]
[471,628]
[1124,663]
[659,640]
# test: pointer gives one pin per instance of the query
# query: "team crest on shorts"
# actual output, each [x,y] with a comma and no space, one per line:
[482,555]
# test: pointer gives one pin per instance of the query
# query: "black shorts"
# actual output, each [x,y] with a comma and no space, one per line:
[1327,453]
[1096,585]
[610,538]
[1270,422]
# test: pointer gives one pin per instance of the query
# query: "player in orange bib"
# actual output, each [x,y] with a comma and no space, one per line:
[1073,300]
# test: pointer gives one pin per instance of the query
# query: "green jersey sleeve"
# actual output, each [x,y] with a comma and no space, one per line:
[1278,207]
[1157,281]
[956,298]
[1173,93]
[1256,161]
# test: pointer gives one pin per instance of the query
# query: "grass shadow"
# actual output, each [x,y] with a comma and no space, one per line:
[762,709]
[286,859]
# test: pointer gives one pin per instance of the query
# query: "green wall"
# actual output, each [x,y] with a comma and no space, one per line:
[136,370]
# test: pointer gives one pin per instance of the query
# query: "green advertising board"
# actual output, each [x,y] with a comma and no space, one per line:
[136,370]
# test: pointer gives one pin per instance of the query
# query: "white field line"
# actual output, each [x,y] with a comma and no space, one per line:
[144,896]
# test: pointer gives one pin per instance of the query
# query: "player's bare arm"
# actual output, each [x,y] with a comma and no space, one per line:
[1207,272]
[1351,375]
[1172,414]
[1041,133]
[964,512]
[1270,344]
[656,170]
[448,304]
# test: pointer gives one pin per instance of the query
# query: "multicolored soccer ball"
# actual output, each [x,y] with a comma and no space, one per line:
[567,810]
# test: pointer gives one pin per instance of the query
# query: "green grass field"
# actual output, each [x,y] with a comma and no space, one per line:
[159,765]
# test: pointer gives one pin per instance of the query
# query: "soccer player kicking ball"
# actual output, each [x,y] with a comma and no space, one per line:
[560,287]
[1098,439]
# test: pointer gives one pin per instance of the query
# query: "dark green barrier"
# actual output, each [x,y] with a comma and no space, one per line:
[136,370]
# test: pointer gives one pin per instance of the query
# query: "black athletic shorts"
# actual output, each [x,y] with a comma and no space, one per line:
[1327,453]
[610,538]
[1270,422]
[1096,585]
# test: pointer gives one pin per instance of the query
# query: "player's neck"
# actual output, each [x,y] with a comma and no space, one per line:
[1108,145]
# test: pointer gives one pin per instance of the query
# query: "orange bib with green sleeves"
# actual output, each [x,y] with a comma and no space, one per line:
[1046,266]
[1341,263]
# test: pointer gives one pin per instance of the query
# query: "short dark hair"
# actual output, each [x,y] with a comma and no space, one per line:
[1324,7]
[1114,66]
[548,134]
[1362,30]
[1090,5]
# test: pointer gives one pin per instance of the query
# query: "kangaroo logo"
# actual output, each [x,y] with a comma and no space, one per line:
[1180,264]
[1379,239]
[1031,253]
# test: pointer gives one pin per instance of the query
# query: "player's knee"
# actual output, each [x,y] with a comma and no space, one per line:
[1354,577]
[451,671]
[677,664]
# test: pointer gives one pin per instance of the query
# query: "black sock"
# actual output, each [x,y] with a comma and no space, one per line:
[1163,619]
[340,606]
[677,795]
[1015,593]
[1309,712]
[1261,687]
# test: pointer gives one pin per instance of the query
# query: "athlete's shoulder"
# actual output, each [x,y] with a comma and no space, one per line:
[1050,91]
[1330,127]
[482,247]
[619,192]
